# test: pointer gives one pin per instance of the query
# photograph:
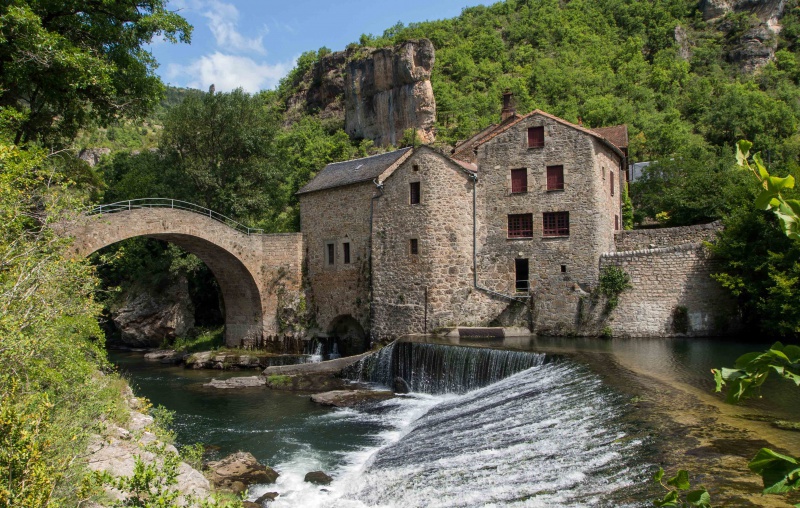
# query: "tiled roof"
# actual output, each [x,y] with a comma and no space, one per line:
[617,134]
[353,171]
[469,166]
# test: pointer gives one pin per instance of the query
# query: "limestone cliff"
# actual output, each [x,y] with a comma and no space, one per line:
[390,91]
[377,93]
[755,47]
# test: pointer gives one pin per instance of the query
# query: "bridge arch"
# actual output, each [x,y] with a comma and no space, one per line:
[251,268]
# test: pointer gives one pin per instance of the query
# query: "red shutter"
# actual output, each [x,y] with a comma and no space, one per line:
[535,137]
[555,177]
[519,180]
[520,225]
[555,224]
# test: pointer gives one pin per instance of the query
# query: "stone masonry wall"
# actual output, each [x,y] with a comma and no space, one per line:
[337,216]
[671,285]
[638,239]
[561,268]
[442,225]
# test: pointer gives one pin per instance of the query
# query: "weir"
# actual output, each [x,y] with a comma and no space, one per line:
[438,368]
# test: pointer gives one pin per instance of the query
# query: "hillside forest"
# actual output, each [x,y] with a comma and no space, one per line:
[71,83]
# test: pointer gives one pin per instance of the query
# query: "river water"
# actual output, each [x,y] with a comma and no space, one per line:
[480,428]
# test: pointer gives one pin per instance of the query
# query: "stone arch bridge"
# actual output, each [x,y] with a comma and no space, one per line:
[252,269]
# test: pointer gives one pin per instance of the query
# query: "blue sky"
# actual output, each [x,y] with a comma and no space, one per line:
[254,43]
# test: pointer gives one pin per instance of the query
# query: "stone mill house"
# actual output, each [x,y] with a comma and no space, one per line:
[510,230]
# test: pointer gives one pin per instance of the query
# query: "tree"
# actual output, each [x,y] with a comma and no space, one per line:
[66,64]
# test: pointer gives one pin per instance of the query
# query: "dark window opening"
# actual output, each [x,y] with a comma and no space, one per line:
[555,224]
[555,177]
[346,252]
[522,275]
[535,137]
[415,167]
[331,253]
[414,193]
[563,268]
[520,225]
[519,181]
[413,247]
[611,174]
[616,222]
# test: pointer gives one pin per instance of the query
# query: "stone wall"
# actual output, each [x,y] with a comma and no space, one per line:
[338,216]
[441,223]
[638,239]
[673,294]
[559,267]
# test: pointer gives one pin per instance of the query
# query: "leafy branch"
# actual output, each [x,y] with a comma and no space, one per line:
[677,486]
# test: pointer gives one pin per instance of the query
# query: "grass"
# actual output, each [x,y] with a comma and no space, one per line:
[205,339]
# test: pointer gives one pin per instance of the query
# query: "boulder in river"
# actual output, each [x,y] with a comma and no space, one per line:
[237,382]
[318,478]
[239,470]
[350,398]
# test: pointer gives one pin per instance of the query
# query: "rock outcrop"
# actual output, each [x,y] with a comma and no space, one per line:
[378,93]
[146,319]
[237,382]
[390,91]
[239,470]
[318,478]
[756,46]
[350,398]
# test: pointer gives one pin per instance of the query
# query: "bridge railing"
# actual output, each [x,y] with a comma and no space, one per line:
[176,204]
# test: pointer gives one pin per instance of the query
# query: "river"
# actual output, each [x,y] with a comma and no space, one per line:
[539,422]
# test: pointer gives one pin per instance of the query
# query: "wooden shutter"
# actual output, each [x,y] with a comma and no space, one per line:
[414,193]
[555,177]
[519,180]
[535,137]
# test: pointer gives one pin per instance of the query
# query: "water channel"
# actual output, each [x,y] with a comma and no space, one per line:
[530,421]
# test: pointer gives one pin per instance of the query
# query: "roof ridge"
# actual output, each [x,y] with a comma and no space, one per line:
[368,156]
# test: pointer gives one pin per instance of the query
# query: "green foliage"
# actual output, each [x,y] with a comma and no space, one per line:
[752,370]
[613,281]
[677,487]
[207,339]
[54,393]
[75,63]
[193,455]
[780,473]
[627,209]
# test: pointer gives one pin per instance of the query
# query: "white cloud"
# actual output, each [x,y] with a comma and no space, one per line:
[227,72]
[223,19]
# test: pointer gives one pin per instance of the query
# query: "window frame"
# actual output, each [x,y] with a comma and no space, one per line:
[516,226]
[555,224]
[413,246]
[611,175]
[524,188]
[346,253]
[522,285]
[536,141]
[559,185]
[330,253]
[412,194]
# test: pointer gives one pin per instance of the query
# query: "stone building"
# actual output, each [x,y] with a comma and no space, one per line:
[505,231]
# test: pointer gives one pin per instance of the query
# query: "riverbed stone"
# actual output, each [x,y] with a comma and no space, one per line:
[350,398]
[166,356]
[318,478]
[238,471]
[266,498]
[237,382]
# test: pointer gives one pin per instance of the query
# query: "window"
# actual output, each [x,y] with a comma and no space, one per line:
[535,137]
[413,247]
[563,268]
[616,222]
[611,174]
[519,181]
[522,276]
[555,224]
[346,252]
[414,193]
[331,253]
[520,225]
[415,167]
[555,178]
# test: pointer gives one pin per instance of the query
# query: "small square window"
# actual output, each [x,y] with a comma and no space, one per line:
[555,178]
[519,181]
[346,252]
[413,247]
[563,268]
[555,224]
[415,167]
[535,137]
[331,248]
[520,225]
[414,193]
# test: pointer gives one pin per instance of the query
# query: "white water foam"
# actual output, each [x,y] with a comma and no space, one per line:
[544,437]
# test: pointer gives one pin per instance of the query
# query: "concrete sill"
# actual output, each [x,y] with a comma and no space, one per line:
[528,238]
[561,237]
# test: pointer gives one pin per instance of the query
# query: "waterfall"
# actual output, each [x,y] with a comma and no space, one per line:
[436,368]
[317,355]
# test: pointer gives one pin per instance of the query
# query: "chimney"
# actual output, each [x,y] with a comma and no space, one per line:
[508,108]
